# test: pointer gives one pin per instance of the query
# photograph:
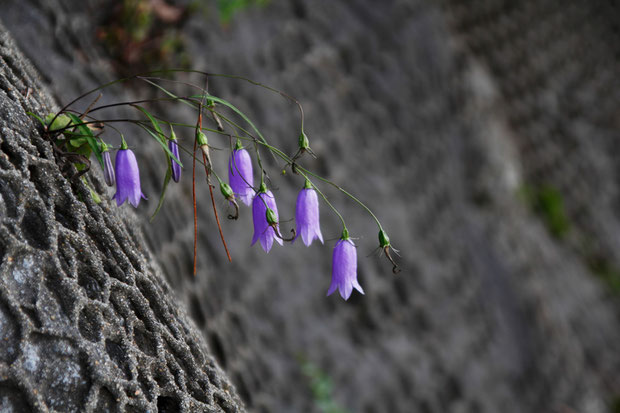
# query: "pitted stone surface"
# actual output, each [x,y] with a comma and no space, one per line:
[437,115]
[87,324]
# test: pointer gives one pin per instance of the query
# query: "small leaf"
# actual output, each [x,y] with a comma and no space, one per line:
[37,117]
[88,135]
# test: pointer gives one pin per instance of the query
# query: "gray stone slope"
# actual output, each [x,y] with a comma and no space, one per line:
[87,322]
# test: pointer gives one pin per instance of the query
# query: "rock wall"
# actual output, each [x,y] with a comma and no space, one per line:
[441,116]
[87,322]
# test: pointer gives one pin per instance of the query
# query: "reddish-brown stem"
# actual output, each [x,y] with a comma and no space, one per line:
[217,219]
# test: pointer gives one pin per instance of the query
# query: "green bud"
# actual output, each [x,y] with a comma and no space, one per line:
[345,233]
[271,217]
[307,184]
[304,143]
[201,138]
[61,122]
[384,240]
[173,136]
[238,144]
[226,190]
[262,188]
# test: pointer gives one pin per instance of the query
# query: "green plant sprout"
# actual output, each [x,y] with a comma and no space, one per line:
[79,136]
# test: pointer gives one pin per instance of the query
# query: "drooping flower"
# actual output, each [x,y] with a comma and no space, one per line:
[108,169]
[344,268]
[265,204]
[127,177]
[240,174]
[174,148]
[307,215]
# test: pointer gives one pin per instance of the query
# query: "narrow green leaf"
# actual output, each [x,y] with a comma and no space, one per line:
[37,117]
[162,144]
[163,190]
[88,135]
[160,136]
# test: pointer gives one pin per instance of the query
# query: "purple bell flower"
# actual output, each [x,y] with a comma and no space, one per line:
[176,167]
[307,215]
[344,268]
[263,231]
[127,177]
[240,174]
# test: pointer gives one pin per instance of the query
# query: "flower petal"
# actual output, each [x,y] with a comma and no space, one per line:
[240,175]
[344,269]
[307,216]
[127,178]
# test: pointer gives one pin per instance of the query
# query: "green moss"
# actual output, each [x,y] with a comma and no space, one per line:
[547,202]
[321,387]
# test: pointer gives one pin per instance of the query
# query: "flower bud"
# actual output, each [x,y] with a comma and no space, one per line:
[384,240]
[201,138]
[108,169]
[174,148]
[226,191]
[304,143]
[272,218]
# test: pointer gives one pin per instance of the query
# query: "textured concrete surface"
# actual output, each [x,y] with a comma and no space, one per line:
[87,322]
[439,115]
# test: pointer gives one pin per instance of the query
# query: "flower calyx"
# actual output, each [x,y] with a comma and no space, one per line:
[384,244]
[229,195]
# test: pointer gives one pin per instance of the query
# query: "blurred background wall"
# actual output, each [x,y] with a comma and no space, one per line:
[485,135]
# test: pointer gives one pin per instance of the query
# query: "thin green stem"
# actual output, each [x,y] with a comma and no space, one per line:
[289,160]
[360,203]
[344,225]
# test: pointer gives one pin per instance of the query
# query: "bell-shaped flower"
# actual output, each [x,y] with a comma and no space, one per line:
[265,204]
[307,215]
[127,177]
[240,174]
[344,268]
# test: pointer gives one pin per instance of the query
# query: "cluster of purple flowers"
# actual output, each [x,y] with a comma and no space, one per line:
[126,174]
[266,227]
[264,208]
